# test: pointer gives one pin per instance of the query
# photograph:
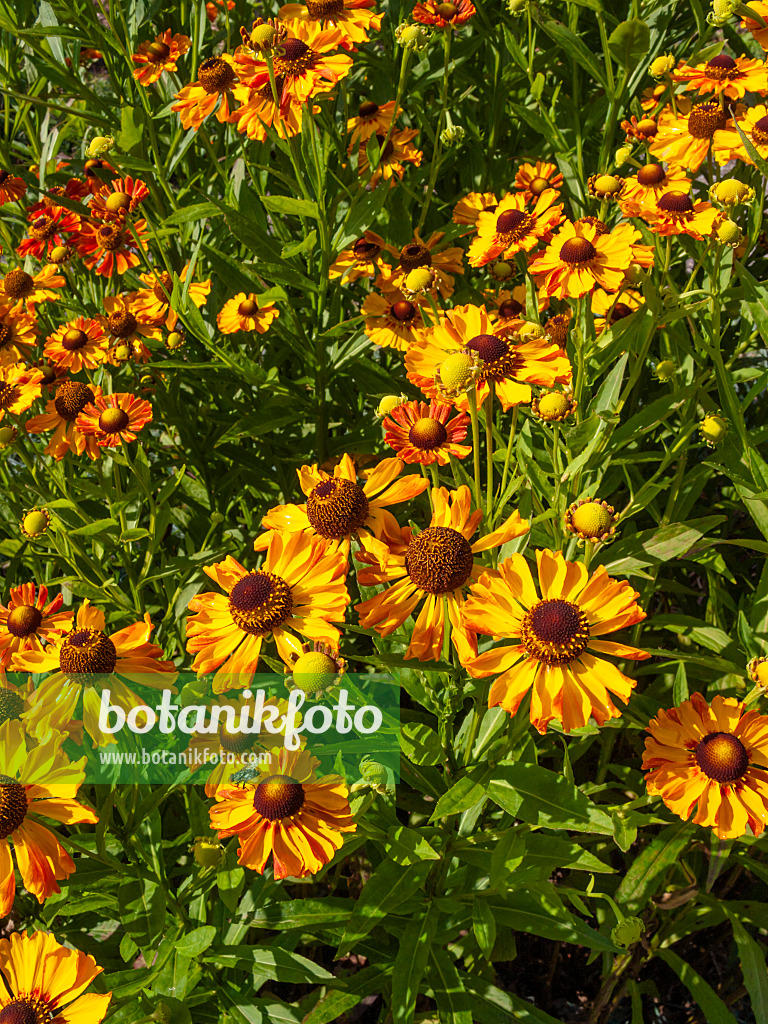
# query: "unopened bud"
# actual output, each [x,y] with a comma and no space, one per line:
[207,852]
[731,192]
[99,145]
[412,37]
[728,232]
[722,11]
[501,270]
[627,932]
[662,66]
[263,37]
[388,403]
[453,136]
[622,155]
[713,429]
[665,370]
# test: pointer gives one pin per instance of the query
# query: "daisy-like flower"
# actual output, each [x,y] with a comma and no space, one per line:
[20,385]
[83,662]
[339,508]
[442,15]
[216,77]
[18,334]
[21,290]
[434,565]
[677,214]
[301,585]
[758,28]
[754,123]
[579,258]
[288,813]
[154,299]
[712,757]
[371,119]
[512,228]
[117,199]
[468,209]
[512,368]
[47,981]
[396,152]
[686,139]
[127,322]
[353,18]
[645,188]
[421,254]
[303,61]
[110,247]
[11,187]
[48,229]
[510,305]
[76,344]
[361,259]
[243,313]
[114,419]
[36,779]
[60,416]
[393,321]
[640,129]
[153,58]
[534,179]
[29,620]
[421,432]
[258,110]
[725,76]
[609,308]
[554,635]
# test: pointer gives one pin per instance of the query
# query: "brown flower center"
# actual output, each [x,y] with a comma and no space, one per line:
[85,653]
[122,323]
[365,251]
[322,9]
[403,311]
[337,507]
[260,602]
[446,11]
[557,327]
[295,58]
[113,420]
[577,250]
[43,228]
[24,620]
[439,560]
[705,119]
[248,308]
[555,632]
[722,67]
[368,109]
[215,75]
[157,52]
[13,806]
[620,310]
[71,398]
[675,202]
[234,742]
[512,225]
[415,255]
[488,346]
[18,284]
[74,339]
[163,287]
[4,176]
[427,434]
[26,1011]
[9,393]
[539,185]
[651,174]
[110,237]
[722,757]
[11,705]
[278,797]
[6,335]
[759,134]
[509,308]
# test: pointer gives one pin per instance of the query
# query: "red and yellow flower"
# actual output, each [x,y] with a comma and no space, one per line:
[155,299]
[422,432]
[18,334]
[216,77]
[534,179]
[396,152]
[361,259]
[153,58]
[114,419]
[725,76]
[677,214]
[30,620]
[371,119]
[579,258]
[443,15]
[11,187]
[513,228]
[110,247]
[48,228]
[608,308]
[354,19]
[120,197]
[468,209]
[60,416]
[243,313]
[76,344]
[21,290]
[20,385]
[392,320]
[686,139]
[644,189]
[422,254]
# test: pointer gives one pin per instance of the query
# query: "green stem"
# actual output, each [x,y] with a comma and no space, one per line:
[436,152]
[475,443]
[508,456]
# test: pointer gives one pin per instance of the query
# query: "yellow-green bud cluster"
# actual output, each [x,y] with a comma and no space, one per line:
[453,136]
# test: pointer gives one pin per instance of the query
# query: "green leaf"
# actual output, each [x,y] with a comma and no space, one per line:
[755,299]
[652,547]
[574,47]
[483,925]
[306,914]
[752,957]
[286,204]
[680,685]
[648,870]
[464,793]
[294,248]
[407,846]
[94,529]
[195,212]
[193,943]
[410,964]
[630,42]
[540,911]
[273,963]
[388,888]
[506,857]
[132,121]
[139,533]
[714,1009]
[142,911]
[453,1002]
[544,798]
[491,1005]
[420,744]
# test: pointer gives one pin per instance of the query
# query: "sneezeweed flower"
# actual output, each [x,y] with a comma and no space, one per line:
[371,119]
[11,187]
[396,151]
[100,145]
[95,171]
[216,78]
[731,192]
[578,259]
[121,197]
[554,635]
[35,522]
[114,419]
[636,130]
[434,566]
[361,259]
[605,186]
[127,322]
[553,406]
[424,433]
[713,429]
[243,313]
[725,76]
[286,812]
[36,779]
[445,263]
[18,334]
[154,299]
[258,111]
[443,15]
[468,209]
[534,179]
[686,139]
[412,37]
[29,620]
[153,58]
[388,403]
[61,255]
[711,757]
[665,370]
[48,230]
[759,29]
[339,508]
[77,344]
[46,981]
[453,135]
[392,320]
[661,66]
[677,214]
[110,247]
[591,519]
[557,328]
[20,385]
[728,232]
[608,308]
[510,367]
[84,661]
[314,669]
[20,289]
[175,341]
[300,586]
[354,19]
[512,228]
[60,416]
[644,189]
